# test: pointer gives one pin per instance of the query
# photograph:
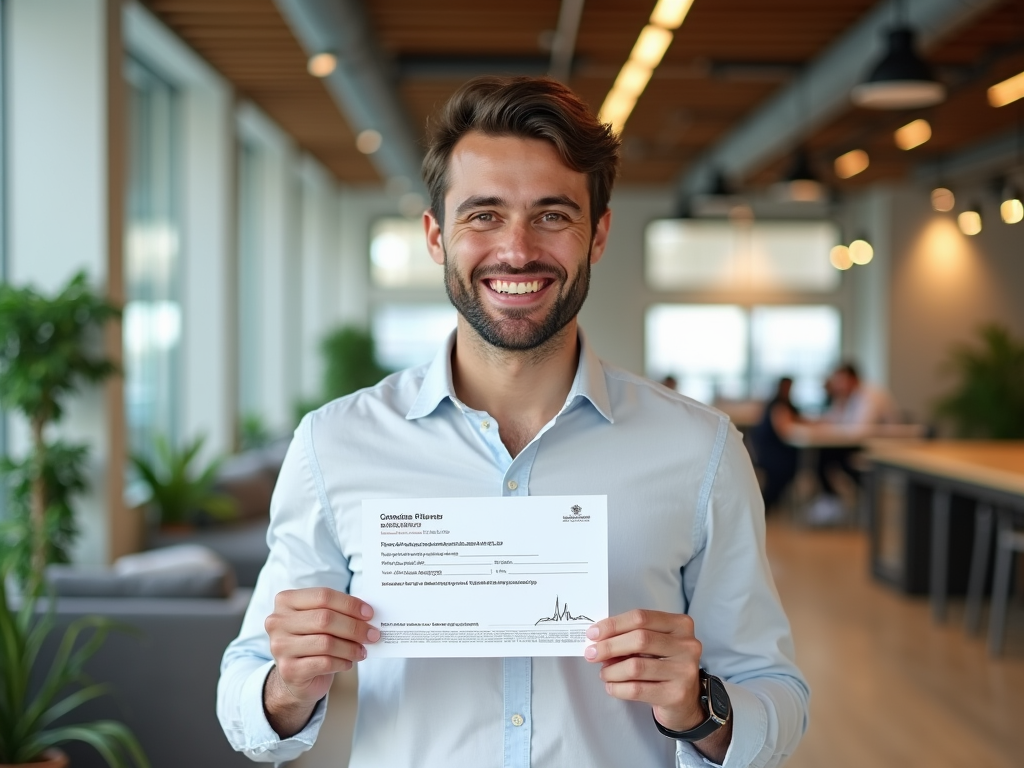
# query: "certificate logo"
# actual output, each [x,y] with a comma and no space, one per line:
[575,515]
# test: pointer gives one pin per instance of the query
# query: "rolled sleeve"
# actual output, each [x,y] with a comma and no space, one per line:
[739,619]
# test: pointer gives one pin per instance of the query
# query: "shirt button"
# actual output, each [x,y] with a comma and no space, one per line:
[517,720]
[512,485]
[485,425]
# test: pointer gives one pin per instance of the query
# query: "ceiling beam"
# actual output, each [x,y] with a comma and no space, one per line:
[822,91]
[362,85]
[564,47]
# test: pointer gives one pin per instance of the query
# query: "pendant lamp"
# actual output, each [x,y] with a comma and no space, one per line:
[901,80]
[801,183]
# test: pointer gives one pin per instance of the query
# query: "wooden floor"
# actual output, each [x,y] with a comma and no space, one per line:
[889,689]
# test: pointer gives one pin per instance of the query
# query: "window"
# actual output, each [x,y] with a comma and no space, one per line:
[250,284]
[686,254]
[399,256]
[410,334]
[152,313]
[726,351]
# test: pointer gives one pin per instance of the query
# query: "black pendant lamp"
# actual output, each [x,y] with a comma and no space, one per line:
[901,80]
[801,184]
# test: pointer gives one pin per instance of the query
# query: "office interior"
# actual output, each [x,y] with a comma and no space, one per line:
[242,178]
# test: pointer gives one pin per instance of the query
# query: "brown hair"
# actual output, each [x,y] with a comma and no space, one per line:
[526,107]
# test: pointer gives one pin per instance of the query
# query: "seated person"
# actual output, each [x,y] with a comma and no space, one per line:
[853,402]
[776,458]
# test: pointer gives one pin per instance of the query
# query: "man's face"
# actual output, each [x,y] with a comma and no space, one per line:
[516,244]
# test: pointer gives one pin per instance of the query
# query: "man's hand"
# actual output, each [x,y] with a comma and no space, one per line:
[314,633]
[652,656]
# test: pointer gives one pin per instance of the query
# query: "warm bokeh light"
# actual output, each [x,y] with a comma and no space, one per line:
[853,162]
[617,107]
[322,64]
[670,13]
[969,222]
[651,46]
[913,134]
[1012,211]
[861,252]
[839,257]
[805,190]
[369,141]
[943,200]
[1006,92]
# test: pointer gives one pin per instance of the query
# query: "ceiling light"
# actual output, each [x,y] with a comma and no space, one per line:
[322,64]
[801,184]
[369,141]
[913,134]
[651,46]
[633,78]
[1006,92]
[852,163]
[839,257]
[670,13]
[943,199]
[1011,210]
[901,80]
[617,107]
[969,221]
[861,252]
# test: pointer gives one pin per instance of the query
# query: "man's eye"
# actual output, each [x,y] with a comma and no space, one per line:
[485,217]
[553,217]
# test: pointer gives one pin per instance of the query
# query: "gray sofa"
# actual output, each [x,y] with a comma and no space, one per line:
[163,680]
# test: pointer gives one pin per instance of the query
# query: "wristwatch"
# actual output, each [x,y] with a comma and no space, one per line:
[716,700]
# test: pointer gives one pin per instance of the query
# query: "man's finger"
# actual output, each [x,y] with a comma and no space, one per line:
[656,621]
[644,642]
[321,621]
[304,646]
[312,598]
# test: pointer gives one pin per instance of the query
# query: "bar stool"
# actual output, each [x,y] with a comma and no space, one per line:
[1009,542]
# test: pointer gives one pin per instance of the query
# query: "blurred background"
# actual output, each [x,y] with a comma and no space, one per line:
[803,184]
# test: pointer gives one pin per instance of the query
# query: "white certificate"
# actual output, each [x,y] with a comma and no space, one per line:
[513,576]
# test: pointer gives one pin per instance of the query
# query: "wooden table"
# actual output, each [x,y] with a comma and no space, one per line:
[826,435]
[991,473]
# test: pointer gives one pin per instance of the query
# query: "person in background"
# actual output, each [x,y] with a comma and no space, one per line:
[776,458]
[670,382]
[853,403]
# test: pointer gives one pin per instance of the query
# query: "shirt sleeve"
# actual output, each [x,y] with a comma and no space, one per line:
[739,619]
[304,552]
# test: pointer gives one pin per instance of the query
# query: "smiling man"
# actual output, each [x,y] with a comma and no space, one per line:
[695,665]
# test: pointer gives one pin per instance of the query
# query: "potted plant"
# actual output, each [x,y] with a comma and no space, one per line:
[29,730]
[49,348]
[988,400]
[179,494]
[350,364]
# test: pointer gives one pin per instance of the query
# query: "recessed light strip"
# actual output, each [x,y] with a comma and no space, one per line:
[1007,92]
[647,53]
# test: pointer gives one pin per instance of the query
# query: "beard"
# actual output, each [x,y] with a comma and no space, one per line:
[513,329]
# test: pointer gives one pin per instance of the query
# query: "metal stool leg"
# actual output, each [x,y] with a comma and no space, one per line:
[1001,585]
[940,553]
[979,567]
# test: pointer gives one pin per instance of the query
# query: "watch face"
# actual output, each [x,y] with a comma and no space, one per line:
[719,698]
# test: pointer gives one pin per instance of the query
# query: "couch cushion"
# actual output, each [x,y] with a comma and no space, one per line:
[187,570]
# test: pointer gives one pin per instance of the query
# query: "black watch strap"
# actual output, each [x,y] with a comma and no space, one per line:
[705,729]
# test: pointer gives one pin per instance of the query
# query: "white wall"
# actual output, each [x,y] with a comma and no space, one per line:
[59,198]
[944,285]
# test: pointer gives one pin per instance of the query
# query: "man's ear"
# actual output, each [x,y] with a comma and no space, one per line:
[600,236]
[435,242]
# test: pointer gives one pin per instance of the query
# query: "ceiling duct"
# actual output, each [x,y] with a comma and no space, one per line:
[823,90]
[361,84]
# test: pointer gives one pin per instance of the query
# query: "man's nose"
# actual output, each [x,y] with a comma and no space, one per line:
[517,247]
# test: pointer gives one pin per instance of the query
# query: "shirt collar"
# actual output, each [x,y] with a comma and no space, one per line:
[589,382]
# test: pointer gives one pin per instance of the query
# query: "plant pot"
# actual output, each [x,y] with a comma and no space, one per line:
[52,758]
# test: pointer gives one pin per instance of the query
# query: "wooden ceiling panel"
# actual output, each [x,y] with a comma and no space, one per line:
[727,60]
[251,45]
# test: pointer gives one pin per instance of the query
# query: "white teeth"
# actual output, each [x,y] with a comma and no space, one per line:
[503,286]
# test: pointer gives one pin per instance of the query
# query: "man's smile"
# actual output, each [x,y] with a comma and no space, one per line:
[516,286]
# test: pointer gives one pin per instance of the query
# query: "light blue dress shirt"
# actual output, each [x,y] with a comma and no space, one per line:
[685,533]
